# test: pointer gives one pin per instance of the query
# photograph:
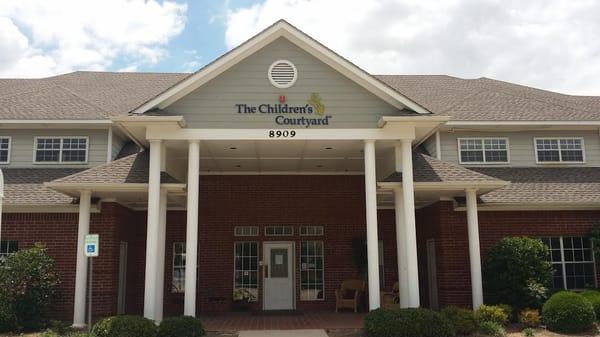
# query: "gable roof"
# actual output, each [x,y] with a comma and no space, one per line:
[25,186]
[279,29]
[485,99]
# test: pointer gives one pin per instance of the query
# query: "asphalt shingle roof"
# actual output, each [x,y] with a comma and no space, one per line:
[429,169]
[132,169]
[100,95]
[543,185]
[25,186]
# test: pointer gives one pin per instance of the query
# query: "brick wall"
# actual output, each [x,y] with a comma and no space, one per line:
[58,232]
[449,228]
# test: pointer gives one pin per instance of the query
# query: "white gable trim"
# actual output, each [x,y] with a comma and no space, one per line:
[277,30]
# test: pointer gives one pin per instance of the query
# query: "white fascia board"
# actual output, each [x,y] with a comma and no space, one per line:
[533,207]
[281,29]
[416,120]
[39,208]
[55,121]
[150,120]
[482,186]
[74,189]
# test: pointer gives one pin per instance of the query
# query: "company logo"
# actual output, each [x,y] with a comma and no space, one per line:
[286,114]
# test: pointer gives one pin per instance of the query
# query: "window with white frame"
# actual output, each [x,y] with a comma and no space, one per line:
[311,271]
[311,230]
[61,149]
[178,282]
[245,231]
[4,150]
[8,247]
[559,150]
[572,258]
[483,150]
[245,275]
[279,230]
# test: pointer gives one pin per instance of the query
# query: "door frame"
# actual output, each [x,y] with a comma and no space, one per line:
[292,245]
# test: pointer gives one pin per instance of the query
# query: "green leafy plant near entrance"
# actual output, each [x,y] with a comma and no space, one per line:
[184,326]
[125,326]
[28,286]
[517,272]
[594,297]
[568,312]
[463,320]
[407,323]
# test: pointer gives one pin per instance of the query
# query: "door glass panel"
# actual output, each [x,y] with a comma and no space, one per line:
[279,262]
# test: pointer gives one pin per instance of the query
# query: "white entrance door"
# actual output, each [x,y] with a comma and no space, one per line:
[278,271]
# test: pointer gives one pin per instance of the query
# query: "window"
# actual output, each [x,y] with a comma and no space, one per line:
[61,150]
[245,277]
[483,150]
[4,150]
[178,284]
[311,230]
[7,247]
[573,262]
[279,231]
[559,150]
[246,231]
[311,271]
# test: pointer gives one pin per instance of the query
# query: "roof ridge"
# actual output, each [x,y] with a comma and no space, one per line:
[107,113]
[98,167]
[456,166]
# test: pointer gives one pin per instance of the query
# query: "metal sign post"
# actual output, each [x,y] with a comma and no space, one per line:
[92,244]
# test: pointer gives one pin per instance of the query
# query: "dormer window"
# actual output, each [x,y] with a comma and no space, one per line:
[54,150]
[559,150]
[483,150]
[4,150]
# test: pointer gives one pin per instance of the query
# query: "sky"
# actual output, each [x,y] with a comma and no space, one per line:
[549,44]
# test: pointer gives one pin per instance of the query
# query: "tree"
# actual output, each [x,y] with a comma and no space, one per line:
[28,283]
[517,272]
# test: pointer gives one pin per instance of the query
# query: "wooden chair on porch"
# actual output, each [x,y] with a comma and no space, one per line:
[349,295]
[391,299]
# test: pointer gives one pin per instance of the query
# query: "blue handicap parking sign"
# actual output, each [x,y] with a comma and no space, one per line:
[91,248]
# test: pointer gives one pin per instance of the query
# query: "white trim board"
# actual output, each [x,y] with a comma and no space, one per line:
[281,29]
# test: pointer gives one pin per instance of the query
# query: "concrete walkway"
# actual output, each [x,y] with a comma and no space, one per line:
[283,333]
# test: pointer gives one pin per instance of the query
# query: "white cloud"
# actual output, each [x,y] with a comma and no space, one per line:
[41,38]
[547,44]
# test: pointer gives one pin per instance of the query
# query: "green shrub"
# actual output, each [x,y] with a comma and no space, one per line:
[491,313]
[517,272]
[568,312]
[52,333]
[509,311]
[28,283]
[8,320]
[491,329]
[184,326]
[594,297]
[463,320]
[530,318]
[407,323]
[528,332]
[125,326]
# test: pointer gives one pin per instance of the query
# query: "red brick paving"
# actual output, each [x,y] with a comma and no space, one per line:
[234,321]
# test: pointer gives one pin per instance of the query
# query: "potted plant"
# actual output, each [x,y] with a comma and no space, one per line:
[242,298]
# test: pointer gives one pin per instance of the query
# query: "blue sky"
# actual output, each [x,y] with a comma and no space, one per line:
[549,44]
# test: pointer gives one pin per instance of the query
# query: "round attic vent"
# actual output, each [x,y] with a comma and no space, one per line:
[282,74]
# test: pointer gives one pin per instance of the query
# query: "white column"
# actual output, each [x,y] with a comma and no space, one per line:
[372,240]
[162,236]
[82,260]
[474,253]
[401,247]
[152,234]
[191,241]
[410,229]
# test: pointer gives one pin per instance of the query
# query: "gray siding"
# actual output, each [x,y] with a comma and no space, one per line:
[23,142]
[429,145]
[521,147]
[213,104]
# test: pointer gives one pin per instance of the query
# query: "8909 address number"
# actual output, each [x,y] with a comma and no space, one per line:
[282,133]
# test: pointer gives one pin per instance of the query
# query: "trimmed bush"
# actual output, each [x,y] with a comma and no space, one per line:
[530,318]
[492,329]
[568,312]
[594,297]
[184,326]
[407,323]
[28,283]
[517,272]
[8,320]
[463,320]
[125,326]
[491,313]
[509,311]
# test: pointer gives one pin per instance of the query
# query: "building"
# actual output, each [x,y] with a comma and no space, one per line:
[270,170]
